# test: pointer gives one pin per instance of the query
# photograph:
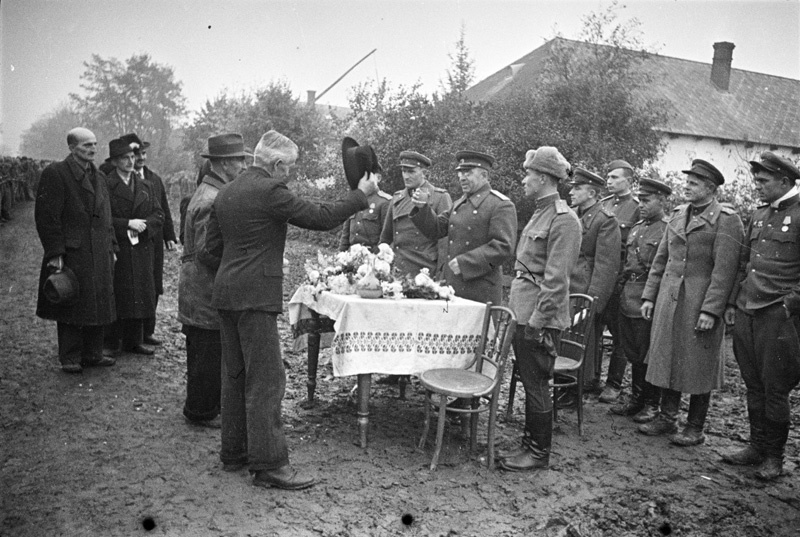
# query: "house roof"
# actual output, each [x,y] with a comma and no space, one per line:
[756,107]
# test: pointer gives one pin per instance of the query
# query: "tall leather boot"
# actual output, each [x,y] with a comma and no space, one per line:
[692,434]
[636,401]
[651,395]
[753,453]
[539,426]
[776,434]
[665,422]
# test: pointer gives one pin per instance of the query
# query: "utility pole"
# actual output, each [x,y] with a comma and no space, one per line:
[312,98]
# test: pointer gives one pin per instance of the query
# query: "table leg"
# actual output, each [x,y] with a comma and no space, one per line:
[313,361]
[364,381]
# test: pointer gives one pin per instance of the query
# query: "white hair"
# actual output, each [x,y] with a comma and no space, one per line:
[273,147]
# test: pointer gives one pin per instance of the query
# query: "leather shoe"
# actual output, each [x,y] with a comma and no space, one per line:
[646,415]
[689,436]
[104,361]
[511,453]
[285,477]
[627,409]
[609,395]
[150,340]
[770,469]
[749,456]
[524,462]
[659,426]
[214,423]
[72,368]
[141,349]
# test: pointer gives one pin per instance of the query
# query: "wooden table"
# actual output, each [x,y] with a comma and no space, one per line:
[385,336]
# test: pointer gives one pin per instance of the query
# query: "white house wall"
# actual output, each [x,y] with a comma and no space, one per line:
[731,159]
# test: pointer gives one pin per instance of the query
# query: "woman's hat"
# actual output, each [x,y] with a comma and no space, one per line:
[61,287]
[357,160]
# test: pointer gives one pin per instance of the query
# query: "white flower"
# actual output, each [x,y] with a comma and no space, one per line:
[313,276]
[385,253]
[423,279]
[383,267]
[363,269]
[446,292]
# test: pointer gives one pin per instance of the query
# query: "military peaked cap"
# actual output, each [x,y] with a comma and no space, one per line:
[773,163]
[412,159]
[616,164]
[473,159]
[653,186]
[585,177]
[706,170]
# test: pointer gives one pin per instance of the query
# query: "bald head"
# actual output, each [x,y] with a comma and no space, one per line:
[82,144]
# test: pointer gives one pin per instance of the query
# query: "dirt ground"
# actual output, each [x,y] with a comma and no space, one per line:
[107,453]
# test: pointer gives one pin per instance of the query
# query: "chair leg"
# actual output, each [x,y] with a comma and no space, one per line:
[490,432]
[512,390]
[579,402]
[427,423]
[473,425]
[439,431]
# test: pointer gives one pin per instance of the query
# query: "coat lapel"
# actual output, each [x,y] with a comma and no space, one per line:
[709,216]
[141,195]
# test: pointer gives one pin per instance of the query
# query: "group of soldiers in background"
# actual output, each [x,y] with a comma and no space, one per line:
[664,286]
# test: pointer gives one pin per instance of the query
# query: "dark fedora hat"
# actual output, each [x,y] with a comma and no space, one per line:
[118,147]
[228,145]
[357,160]
[61,287]
[132,138]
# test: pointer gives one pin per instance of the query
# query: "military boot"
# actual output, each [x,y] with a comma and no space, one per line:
[665,422]
[539,440]
[775,441]
[635,403]
[515,452]
[692,434]
[753,454]
[652,396]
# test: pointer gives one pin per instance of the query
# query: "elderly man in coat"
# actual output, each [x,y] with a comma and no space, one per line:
[73,219]
[687,290]
[136,215]
[481,230]
[200,320]
[247,234]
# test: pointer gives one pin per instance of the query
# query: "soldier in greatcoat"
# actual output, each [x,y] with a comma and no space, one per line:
[73,220]
[412,249]
[481,230]
[687,290]
[546,256]
[634,331]
[765,305]
[598,264]
[625,207]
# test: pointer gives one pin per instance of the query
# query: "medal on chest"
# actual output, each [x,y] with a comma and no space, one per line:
[786,222]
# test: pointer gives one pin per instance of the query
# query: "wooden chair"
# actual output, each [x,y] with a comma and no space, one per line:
[571,354]
[479,384]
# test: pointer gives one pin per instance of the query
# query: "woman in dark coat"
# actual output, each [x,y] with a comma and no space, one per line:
[136,215]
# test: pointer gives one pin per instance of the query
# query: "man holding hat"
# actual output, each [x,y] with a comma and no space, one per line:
[481,230]
[164,236]
[250,217]
[625,208]
[634,331]
[687,289]
[227,158]
[73,220]
[365,226]
[765,304]
[598,264]
[546,256]
[412,249]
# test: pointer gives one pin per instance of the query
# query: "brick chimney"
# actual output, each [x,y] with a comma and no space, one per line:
[311,98]
[721,68]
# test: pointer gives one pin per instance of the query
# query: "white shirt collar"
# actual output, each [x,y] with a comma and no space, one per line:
[792,192]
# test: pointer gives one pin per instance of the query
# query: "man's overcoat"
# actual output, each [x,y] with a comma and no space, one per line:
[163,233]
[73,219]
[599,260]
[693,271]
[134,288]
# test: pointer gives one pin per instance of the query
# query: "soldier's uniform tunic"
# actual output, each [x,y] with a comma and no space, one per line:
[596,272]
[365,226]
[412,249]
[481,232]
[765,341]
[546,256]
[626,209]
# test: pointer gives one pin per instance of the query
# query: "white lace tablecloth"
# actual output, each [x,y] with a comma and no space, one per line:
[394,337]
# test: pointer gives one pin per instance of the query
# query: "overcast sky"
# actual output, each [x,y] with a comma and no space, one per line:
[217,45]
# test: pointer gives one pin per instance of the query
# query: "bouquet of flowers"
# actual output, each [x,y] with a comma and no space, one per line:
[423,286]
[342,272]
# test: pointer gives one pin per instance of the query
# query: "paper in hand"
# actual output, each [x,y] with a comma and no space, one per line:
[133,236]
